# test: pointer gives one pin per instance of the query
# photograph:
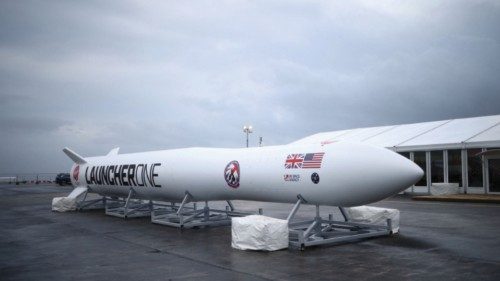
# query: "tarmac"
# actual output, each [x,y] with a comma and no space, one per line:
[437,240]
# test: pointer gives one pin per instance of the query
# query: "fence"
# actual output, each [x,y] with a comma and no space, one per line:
[28,178]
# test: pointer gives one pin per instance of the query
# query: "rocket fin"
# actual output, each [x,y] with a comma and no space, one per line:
[74,156]
[113,151]
[77,192]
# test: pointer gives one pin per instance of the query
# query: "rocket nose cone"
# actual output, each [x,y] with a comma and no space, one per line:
[393,173]
[408,172]
[369,174]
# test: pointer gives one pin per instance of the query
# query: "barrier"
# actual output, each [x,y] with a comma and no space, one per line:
[28,178]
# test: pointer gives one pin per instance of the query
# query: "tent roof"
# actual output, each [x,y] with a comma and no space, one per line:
[446,134]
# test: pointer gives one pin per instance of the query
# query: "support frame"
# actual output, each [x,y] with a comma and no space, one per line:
[128,208]
[187,214]
[319,231]
[85,204]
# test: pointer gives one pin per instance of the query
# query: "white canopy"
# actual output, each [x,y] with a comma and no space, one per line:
[474,132]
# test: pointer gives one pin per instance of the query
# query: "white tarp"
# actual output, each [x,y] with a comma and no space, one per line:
[259,233]
[68,203]
[441,188]
[374,215]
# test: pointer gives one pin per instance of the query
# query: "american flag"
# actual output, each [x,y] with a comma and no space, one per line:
[313,160]
[294,161]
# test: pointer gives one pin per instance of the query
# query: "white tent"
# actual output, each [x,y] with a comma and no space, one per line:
[446,150]
[477,132]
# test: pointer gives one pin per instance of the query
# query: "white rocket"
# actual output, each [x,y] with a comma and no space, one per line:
[336,174]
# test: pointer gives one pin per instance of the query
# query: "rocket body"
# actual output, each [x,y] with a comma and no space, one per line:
[336,174]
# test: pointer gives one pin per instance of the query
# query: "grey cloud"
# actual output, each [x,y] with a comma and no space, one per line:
[94,75]
[28,125]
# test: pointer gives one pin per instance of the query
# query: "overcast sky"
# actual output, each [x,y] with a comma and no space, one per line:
[146,75]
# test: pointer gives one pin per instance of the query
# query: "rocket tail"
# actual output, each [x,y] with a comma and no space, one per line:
[74,156]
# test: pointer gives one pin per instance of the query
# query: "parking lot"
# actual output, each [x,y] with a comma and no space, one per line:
[438,240]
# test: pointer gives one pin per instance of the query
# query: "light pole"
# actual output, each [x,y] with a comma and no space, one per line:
[247,130]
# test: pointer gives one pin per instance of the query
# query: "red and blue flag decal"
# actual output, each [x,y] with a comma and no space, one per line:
[304,161]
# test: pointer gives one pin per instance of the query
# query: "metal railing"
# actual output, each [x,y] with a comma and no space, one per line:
[28,178]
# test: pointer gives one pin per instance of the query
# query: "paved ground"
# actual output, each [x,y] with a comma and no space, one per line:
[447,241]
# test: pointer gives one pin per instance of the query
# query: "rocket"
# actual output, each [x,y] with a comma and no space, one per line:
[335,174]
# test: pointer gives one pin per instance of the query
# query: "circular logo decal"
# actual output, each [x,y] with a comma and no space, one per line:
[315,178]
[76,172]
[232,174]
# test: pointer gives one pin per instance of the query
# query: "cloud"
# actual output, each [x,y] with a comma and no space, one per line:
[94,75]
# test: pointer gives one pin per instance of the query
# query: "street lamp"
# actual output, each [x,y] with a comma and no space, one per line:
[247,130]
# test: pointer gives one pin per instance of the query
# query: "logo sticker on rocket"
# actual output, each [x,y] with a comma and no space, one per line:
[76,172]
[315,178]
[323,143]
[232,174]
[294,178]
[304,161]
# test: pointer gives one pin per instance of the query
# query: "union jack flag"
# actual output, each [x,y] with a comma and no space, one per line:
[294,161]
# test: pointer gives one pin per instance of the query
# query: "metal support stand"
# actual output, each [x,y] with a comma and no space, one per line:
[187,215]
[128,208]
[85,204]
[321,231]
[344,214]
